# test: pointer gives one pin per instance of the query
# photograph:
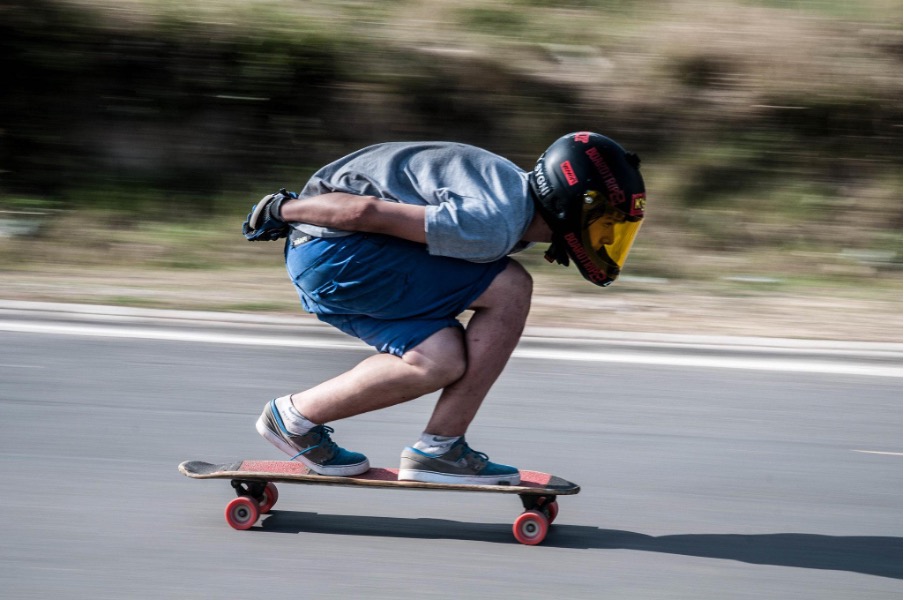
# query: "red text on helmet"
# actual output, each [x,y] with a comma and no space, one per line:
[568,172]
[616,195]
[592,272]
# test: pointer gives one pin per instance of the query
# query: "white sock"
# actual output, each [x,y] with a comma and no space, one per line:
[435,444]
[294,421]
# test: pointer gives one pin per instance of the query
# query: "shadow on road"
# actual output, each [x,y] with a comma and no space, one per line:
[869,555]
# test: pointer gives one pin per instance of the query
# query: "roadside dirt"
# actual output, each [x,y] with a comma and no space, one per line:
[631,306]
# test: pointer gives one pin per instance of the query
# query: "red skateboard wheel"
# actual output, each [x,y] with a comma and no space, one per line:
[551,511]
[271,495]
[242,513]
[531,527]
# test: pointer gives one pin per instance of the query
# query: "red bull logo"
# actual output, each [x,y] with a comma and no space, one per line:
[638,204]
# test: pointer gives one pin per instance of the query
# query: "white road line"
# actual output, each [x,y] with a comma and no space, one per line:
[839,366]
[173,335]
[718,362]
[877,452]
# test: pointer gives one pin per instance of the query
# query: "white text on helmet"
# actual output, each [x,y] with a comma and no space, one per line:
[568,172]
[542,181]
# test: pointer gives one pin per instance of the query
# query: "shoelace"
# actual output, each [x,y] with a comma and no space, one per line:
[469,450]
[324,431]
[325,440]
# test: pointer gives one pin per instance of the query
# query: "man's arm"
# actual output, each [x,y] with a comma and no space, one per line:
[351,212]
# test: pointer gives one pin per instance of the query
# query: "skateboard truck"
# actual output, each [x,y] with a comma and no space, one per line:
[255,489]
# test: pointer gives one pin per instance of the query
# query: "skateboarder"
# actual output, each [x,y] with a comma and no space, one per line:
[391,243]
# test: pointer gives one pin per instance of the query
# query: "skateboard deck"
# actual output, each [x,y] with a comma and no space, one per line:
[254,482]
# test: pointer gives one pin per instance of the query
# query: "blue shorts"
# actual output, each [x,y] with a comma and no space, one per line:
[386,291]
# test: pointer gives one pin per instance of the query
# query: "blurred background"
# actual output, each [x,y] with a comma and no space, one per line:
[136,134]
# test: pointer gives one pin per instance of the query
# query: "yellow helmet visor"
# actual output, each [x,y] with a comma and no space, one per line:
[607,241]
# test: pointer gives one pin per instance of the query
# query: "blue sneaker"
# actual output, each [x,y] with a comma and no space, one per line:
[315,449]
[459,464]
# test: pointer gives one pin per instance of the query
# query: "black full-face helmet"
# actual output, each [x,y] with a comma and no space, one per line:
[590,192]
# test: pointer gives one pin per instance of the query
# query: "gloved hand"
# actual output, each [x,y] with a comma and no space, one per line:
[264,222]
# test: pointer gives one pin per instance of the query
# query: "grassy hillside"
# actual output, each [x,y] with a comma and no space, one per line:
[770,131]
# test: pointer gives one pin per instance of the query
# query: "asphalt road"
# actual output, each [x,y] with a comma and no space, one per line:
[699,481]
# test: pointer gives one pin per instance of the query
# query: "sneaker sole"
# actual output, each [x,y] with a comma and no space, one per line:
[434,477]
[336,471]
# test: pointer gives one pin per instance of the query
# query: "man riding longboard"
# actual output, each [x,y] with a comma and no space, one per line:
[391,243]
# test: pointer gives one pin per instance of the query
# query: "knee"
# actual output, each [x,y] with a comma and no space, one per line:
[513,285]
[524,283]
[515,288]
[439,373]
[441,360]
[449,371]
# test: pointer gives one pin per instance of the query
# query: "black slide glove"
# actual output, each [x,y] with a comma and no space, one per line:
[263,222]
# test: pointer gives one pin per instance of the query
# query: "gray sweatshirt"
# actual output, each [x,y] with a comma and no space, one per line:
[478,204]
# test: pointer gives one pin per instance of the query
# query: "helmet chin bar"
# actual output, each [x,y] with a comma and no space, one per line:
[567,246]
[596,266]
[586,264]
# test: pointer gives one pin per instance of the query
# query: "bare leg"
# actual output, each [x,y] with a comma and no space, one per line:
[492,334]
[385,380]
[465,368]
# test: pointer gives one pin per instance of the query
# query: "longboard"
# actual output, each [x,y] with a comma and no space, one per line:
[254,482]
